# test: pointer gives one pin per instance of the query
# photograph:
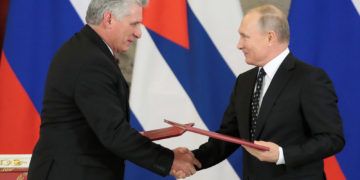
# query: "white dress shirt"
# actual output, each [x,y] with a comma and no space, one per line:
[109,48]
[270,68]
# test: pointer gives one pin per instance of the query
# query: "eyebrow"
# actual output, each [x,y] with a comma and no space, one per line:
[136,22]
[243,34]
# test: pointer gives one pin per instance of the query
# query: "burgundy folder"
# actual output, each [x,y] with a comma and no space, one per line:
[164,133]
[178,129]
[218,136]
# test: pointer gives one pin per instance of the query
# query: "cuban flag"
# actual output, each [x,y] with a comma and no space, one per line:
[327,34]
[186,64]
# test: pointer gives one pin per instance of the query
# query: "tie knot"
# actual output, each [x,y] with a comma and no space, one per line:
[261,72]
[116,60]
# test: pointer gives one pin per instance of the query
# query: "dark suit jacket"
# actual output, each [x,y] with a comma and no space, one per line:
[299,112]
[85,131]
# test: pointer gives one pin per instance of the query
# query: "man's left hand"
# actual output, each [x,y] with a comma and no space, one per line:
[269,156]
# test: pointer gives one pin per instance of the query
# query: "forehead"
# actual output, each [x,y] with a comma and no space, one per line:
[135,10]
[134,13]
[250,22]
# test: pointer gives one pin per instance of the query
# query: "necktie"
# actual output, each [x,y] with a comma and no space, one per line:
[255,103]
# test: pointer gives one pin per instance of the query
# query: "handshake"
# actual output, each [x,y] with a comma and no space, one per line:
[184,163]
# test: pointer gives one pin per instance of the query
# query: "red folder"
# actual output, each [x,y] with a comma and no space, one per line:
[165,133]
[218,136]
[178,129]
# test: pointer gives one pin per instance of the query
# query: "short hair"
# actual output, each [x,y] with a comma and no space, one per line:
[272,18]
[119,8]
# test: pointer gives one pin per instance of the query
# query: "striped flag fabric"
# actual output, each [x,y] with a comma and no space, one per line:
[327,34]
[185,67]
[35,29]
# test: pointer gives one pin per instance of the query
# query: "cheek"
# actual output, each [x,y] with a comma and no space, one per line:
[251,48]
[257,47]
[122,33]
[129,30]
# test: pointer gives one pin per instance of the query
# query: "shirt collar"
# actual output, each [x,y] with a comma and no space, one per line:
[109,48]
[273,65]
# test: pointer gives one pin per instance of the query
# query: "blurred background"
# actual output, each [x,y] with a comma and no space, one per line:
[245,5]
[127,65]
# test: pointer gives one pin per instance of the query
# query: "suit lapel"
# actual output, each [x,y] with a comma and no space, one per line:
[279,81]
[245,100]
[96,39]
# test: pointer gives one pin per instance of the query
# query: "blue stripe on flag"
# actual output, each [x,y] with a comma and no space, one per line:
[34,31]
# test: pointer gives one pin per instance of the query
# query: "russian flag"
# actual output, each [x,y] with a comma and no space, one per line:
[185,67]
[35,29]
[327,34]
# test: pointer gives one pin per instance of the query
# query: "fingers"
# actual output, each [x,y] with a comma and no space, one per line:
[184,163]
[183,174]
[189,153]
[192,170]
[250,150]
[178,174]
[183,150]
[186,150]
[269,156]
[197,163]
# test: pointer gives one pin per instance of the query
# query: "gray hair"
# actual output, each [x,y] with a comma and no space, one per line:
[273,19]
[119,8]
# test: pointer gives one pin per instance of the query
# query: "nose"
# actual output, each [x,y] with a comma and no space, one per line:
[240,44]
[137,32]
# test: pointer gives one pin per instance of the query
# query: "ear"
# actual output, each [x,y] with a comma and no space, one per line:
[271,37]
[107,19]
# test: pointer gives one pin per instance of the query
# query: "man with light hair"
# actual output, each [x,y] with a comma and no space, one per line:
[85,131]
[282,103]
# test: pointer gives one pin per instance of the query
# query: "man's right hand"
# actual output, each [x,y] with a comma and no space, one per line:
[184,163]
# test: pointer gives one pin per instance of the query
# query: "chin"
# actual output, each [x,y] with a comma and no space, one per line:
[249,62]
[123,50]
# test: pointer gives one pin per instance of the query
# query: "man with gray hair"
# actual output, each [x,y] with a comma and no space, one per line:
[85,131]
[282,103]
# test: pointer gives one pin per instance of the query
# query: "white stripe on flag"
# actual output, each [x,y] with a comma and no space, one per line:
[157,94]
[357,5]
[221,20]
[80,7]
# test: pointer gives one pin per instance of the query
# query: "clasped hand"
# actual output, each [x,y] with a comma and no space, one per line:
[184,163]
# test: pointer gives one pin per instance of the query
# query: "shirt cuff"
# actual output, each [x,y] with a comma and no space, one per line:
[281,159]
